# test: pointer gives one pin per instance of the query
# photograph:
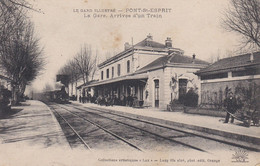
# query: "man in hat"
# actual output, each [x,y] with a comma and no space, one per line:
[230,104]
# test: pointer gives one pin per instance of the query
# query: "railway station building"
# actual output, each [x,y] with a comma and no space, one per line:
[226,75]
[153,73]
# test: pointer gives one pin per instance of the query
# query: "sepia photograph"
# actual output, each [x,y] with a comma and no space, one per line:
[129,82]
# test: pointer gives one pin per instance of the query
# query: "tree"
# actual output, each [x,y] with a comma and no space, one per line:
[20,54]
[85,62]
[17,4]
[82,67]
[71,69]
[243,17]
[11,18]
[22,59]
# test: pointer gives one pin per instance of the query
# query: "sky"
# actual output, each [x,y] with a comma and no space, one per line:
[193,25]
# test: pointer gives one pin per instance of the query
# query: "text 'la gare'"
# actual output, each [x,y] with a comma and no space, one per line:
[95,15]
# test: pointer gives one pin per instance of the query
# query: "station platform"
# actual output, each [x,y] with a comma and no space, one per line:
[31,125]
[208,126]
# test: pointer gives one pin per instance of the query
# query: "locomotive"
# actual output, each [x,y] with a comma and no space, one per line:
[58,96]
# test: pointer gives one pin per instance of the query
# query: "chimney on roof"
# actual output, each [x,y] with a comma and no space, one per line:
[127,46]
[149,37]
[168,42]
[148,40]
[251,57]
[193,56]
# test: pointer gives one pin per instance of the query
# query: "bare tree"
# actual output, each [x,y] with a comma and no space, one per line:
[95,66]
[243,17]
[85,62]
[11,19]
[18,4]
[72,70]
[20,54]
[82,67]
[12,16]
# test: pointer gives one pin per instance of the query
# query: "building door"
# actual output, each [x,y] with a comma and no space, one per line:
[182,89]
[156,93]
[141,92]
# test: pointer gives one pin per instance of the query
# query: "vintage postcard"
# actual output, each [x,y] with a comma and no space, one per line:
[129,82]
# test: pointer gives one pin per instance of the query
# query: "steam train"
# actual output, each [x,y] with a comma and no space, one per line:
[58,96]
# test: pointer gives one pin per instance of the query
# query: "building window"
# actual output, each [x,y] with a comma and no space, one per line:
[214,76]
[112,72]
[128,66]
[107,73]
[118,69]
[247,72]
[102,75]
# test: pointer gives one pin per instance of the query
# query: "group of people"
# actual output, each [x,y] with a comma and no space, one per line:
[109,100]
[230,103]
[87,99]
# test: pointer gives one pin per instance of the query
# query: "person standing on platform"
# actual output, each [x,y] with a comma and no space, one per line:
[230,104]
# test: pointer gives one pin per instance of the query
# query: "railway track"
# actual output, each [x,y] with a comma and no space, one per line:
[81,138]
[139,129]
[104,119]
[135,127]
[77,134]
[178,129]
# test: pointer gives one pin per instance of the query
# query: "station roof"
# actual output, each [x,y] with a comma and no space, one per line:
[171,60]
[232,63]
[146,44]
[88,83]
[118,79]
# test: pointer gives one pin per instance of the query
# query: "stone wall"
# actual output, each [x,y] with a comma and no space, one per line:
[214,93]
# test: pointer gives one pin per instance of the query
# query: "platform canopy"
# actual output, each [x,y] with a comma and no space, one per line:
[118,79]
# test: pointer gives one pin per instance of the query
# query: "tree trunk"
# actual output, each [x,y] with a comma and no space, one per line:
[76,88]
[14,95]
[21,91]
